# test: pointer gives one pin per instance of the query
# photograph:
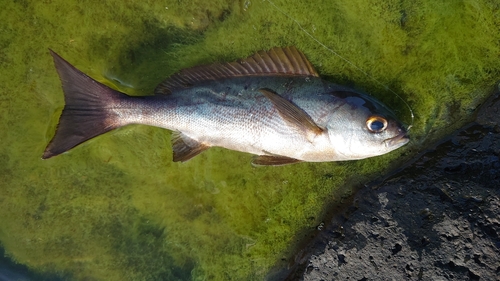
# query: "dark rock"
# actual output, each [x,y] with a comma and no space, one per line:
[438,219]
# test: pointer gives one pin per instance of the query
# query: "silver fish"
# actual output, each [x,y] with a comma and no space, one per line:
[272,104]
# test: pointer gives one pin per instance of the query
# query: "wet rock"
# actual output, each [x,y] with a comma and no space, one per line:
[438,219]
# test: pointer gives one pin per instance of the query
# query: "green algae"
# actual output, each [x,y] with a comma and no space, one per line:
[117,208]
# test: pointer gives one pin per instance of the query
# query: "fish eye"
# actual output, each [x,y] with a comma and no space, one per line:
[376,124]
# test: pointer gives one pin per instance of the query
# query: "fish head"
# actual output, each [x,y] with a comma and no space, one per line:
[363,127]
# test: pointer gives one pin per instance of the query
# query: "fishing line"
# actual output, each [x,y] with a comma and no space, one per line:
[344,59]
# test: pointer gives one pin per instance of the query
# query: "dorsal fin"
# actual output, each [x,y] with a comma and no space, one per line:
[278,61]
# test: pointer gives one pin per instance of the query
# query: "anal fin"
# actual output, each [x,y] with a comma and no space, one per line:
[185,148]
[273,160]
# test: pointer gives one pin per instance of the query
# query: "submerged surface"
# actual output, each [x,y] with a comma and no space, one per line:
[119,209]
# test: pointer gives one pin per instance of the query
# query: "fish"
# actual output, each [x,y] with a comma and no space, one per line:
[272,104]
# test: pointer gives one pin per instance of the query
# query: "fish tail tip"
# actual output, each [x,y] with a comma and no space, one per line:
[53,53]
[47,154]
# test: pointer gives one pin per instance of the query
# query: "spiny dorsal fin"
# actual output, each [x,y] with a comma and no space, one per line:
[185,148]
[293,114]
[273,160]
[278,61]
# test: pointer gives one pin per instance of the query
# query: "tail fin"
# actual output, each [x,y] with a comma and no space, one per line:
[88,110]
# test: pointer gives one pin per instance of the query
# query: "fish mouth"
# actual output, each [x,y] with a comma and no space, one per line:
[399,140]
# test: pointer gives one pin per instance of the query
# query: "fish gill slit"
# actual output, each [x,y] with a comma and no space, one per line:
[332,51]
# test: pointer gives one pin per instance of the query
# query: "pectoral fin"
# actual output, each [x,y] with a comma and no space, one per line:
[185,148]
[293,114]
[273,160]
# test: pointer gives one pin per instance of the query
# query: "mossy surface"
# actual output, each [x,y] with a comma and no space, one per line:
[117,208]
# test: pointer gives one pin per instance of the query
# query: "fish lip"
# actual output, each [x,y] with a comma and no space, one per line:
[399,140]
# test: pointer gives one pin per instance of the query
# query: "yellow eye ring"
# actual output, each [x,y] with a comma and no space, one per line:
[376,124]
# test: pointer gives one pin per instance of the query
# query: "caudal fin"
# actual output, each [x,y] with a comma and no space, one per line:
[88,110]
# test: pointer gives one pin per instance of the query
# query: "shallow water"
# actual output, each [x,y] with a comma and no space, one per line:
[117,208]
